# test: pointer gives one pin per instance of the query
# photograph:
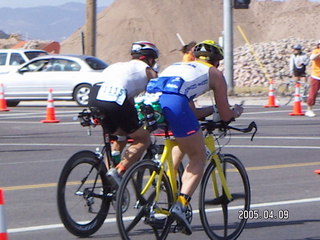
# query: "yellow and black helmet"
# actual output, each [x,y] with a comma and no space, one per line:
[208,50]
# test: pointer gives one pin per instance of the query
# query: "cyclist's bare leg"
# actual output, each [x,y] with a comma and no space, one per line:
[177,156]
[141,141]
[194,147]
[118,145]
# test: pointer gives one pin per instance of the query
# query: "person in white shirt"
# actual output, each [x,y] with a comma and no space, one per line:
[298,63]
[115,100]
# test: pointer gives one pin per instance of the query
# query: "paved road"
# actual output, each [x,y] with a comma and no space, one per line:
[280,163]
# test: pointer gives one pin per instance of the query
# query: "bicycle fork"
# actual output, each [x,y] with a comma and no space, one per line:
[171,173]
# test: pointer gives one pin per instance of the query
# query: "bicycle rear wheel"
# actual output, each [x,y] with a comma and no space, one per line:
[219,216]
[81,194]
[145,216]
[284,93]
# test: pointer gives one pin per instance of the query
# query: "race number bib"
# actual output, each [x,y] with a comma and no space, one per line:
[112,94]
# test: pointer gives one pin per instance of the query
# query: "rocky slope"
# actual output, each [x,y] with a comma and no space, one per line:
[256,64]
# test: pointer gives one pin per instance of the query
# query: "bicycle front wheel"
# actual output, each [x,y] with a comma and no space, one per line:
[81,194]
[220,216]
[284,93]
[146,215]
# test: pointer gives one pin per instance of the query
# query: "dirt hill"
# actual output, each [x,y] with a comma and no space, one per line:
[126,21]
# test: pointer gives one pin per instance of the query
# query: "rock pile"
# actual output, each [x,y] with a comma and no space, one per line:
[256,64]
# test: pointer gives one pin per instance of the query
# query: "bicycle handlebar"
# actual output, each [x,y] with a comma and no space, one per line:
[210,126]
[93,117]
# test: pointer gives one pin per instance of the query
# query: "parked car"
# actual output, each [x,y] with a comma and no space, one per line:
[11,59]
[70,77]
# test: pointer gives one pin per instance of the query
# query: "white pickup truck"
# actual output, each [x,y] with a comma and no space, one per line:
[11,59]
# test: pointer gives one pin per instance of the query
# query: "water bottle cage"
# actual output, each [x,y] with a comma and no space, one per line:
[149,117]
[149,111]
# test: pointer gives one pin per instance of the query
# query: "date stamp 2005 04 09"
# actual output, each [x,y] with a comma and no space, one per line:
[281,214]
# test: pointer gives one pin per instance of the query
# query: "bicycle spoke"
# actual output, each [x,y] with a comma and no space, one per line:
[141,212]
[225,219]
[237,196]
[217,201]
[136,220]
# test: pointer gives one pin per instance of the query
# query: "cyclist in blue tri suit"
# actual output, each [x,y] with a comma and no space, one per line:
[179,84]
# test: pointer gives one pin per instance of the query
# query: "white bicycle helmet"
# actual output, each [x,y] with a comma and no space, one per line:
[145,48]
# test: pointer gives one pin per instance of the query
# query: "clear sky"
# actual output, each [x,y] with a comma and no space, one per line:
[37,3]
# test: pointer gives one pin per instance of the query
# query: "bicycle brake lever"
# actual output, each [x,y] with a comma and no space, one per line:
[251,126]
[254,125]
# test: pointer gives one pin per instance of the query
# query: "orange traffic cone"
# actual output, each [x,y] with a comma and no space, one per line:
[51,116]
[3,102]
[3,226]
[296,111]
[271,98]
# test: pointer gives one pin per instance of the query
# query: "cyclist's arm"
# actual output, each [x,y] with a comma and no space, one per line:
[218,84]
[151,73]
[201,112]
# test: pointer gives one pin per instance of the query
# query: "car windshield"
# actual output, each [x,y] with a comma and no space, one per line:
[96,63]
[33,54]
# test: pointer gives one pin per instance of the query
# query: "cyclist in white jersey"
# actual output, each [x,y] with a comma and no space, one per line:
[115,100]
[179,84]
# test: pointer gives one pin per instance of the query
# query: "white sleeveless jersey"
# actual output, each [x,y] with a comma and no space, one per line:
[194,74]
[130,76]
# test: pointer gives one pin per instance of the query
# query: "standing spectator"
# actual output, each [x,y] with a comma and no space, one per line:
[298,62]
[187,51]
[314,80]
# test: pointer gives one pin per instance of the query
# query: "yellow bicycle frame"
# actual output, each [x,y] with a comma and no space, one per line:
[166,160]
[209,141]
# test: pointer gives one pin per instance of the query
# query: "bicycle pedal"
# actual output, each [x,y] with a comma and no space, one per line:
[156,223]
[181,229]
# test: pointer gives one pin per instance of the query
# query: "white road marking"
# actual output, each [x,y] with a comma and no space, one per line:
[113,220]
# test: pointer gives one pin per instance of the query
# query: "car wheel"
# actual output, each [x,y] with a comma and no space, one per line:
[12,103]
[81,94]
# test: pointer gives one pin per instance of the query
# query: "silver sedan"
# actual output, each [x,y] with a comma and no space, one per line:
[69,76]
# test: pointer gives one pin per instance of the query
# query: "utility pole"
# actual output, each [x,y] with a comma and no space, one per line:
[90,33]
[228,37]
[228,44]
